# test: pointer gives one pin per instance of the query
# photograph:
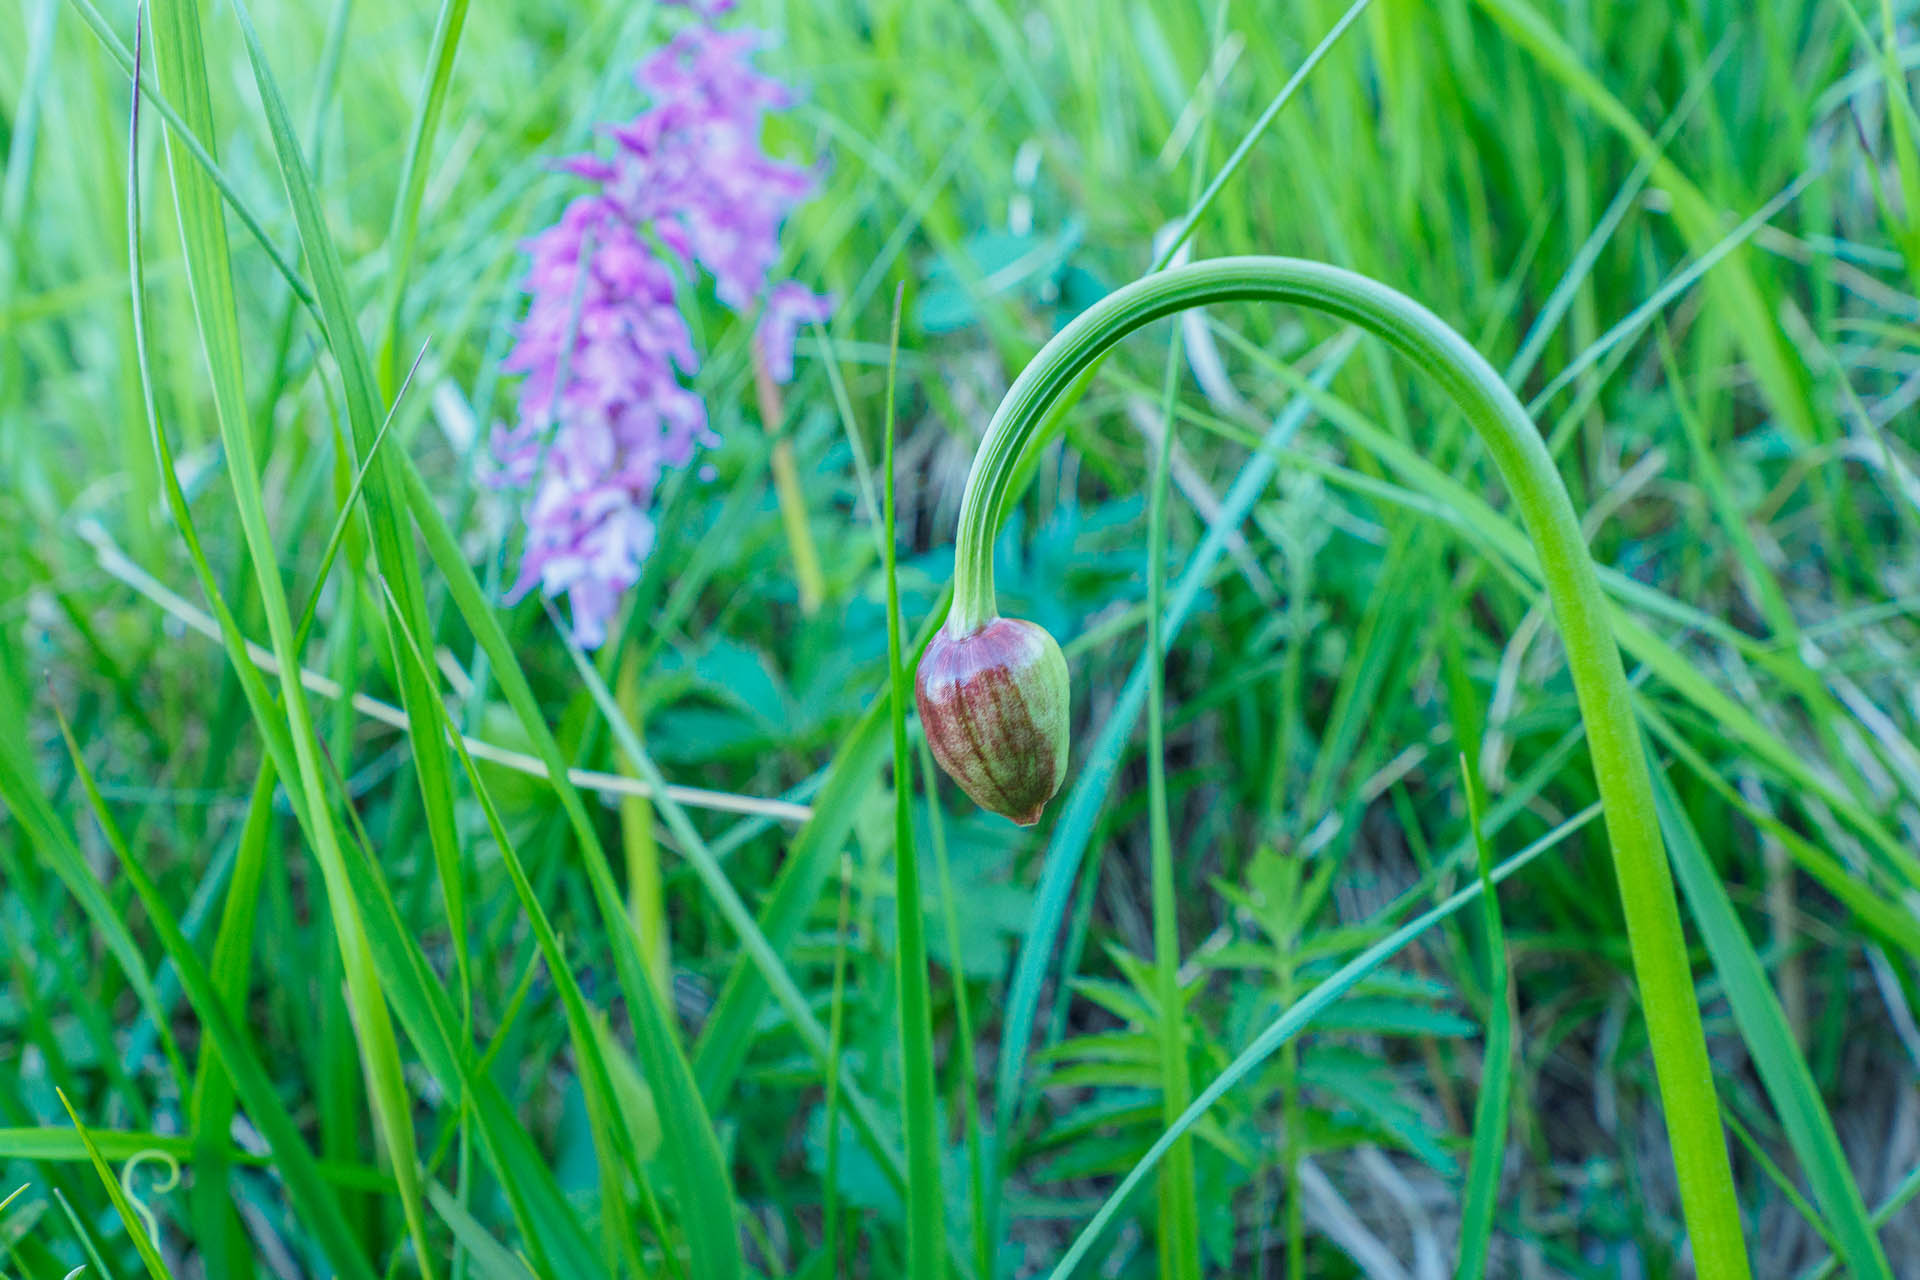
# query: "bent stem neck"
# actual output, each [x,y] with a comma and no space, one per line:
[1654,932]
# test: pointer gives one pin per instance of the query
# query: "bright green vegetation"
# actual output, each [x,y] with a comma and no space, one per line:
[394,1004]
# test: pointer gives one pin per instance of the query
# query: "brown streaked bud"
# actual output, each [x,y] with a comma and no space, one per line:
[994,703]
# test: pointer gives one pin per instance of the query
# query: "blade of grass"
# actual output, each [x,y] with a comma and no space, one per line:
[89,1247]
[313,1200]
[217,1227]
[926,1214]
[1178,1235]
[490,1258]
[979,1202]
[393,549]
[694,1157]
[58,1144]
[181,65]
[1770,1042]
[836,1033]
[1496,1061]
[1255,132]
[143,1243]
[344,518]
[413,180]
[1896,1200]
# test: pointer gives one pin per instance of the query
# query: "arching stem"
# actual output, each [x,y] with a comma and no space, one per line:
[1654,932]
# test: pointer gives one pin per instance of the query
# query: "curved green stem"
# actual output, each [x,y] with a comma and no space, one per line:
[1654,933]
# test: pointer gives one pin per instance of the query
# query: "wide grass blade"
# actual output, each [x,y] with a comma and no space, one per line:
[393,547]
[217,1227]
[490,1259]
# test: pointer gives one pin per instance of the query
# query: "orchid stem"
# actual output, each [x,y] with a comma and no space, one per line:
[808,579]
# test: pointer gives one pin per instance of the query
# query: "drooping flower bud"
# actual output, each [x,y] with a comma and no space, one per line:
[994,703]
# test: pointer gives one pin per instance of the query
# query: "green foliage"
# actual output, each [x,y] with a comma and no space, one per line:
[381,989]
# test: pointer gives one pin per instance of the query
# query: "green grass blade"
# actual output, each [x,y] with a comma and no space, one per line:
[177,129]
[1255,132]
[491,1260]
[143,1243]
[394,550]
[694,1156]
[217,1227]
[979,1200]
[1178,1234]
[1776,1056]
[926,1214]
[1496,1070]
[1896,1200]
[343,520]
[89,1247]
[313,1200]
[182,67]
[413,180]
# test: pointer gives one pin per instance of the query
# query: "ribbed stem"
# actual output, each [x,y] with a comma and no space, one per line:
[1654,932]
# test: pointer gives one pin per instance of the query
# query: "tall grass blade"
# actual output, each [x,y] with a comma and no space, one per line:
[313,1200]
[1770,1041]
[1496,1060]
[413,180]
[926,1213]
[182,67]
[699,1170]
[137,1227]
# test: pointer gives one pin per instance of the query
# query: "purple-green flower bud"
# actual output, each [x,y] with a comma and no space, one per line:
[994,704]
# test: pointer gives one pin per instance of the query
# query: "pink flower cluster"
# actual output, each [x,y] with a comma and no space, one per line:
[605,409]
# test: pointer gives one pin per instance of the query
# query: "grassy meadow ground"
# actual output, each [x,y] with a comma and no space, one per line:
[327,997]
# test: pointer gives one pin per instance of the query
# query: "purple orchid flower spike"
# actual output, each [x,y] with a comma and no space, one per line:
[605,410]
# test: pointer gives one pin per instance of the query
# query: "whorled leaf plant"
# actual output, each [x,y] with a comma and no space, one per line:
[993,694]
